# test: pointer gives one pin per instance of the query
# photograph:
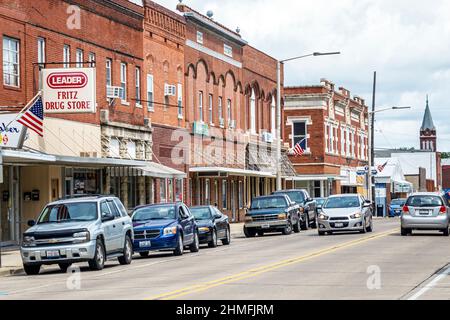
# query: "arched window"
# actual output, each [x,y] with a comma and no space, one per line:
[272,117]
[253,112]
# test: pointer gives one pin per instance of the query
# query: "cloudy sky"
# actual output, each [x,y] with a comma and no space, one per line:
[405,41]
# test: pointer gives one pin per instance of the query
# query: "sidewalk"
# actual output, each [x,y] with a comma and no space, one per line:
[11,263]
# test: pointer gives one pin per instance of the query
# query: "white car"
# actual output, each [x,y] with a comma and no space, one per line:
[345,213]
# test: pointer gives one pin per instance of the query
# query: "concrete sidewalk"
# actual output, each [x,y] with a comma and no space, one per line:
[11,262]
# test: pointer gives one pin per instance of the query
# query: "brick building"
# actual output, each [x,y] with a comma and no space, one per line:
[109,151]
[446,174]
[230,110]
[332,128]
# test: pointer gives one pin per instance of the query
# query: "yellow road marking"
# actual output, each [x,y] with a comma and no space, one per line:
[264,269]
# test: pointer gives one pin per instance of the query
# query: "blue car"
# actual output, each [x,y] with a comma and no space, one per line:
[164,227]
[396,207]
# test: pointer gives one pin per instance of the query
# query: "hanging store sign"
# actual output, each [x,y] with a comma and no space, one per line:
[12,133]
[69,90]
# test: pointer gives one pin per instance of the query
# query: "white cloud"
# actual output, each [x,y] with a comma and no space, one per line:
[406,41]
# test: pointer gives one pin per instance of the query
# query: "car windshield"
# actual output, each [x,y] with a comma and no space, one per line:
[424,201]
[296,196]
[202,213]
[342,202]
[320,201]
[398,203]
[69,212]
[269,203]
[154,213]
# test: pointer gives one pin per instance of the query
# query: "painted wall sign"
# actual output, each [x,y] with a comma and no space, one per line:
[69,90]
[11,133]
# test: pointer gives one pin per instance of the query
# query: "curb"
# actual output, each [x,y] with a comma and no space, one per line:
[11,271]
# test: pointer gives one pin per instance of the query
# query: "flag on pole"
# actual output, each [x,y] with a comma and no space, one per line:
[381,167]
[33,117]
[298,149]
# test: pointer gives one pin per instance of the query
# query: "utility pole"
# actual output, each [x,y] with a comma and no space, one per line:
[278,124]
[372,136]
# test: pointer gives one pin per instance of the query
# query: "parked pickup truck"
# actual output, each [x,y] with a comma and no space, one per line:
[307,205]
[276,213]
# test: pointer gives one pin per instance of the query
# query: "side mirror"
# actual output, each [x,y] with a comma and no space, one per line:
[217,216]
[107,217]
[31,223]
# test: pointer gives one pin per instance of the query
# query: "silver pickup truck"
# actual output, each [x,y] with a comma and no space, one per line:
[89,229]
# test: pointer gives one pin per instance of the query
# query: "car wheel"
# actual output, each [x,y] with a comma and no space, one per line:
[260,233]
[297,226]
[98,263]
[179,250]
[370,227]
[314,224]
[127,252]
[195,246]
[227,240]
[405,232]
[249,233]
[144,254]
[64,266]
[305,225]
[32,269]
[446,232]
[364,229]
[288,229]
[321,233]
[213,242]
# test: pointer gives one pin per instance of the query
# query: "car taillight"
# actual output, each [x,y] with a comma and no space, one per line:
[405,210]
[443,210]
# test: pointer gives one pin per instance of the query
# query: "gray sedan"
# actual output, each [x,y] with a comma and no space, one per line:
[425,211]
[345,213]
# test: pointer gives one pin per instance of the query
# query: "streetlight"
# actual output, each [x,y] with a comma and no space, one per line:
[371,148]
[315,54]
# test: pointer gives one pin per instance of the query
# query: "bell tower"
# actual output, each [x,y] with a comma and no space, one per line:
[428,131]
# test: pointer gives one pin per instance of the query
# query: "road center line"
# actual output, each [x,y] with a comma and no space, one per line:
[264,269]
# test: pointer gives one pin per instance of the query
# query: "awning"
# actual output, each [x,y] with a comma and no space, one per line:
[233,171]
[116,166]
[312,178]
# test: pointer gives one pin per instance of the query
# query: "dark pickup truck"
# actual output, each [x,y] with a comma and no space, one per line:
[276,213]
[307,205]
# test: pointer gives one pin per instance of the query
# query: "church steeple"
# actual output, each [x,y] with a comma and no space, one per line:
[428,131]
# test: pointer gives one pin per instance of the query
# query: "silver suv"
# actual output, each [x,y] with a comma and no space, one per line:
[89,229]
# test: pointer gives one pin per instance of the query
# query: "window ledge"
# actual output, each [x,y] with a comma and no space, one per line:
[14,88]
[138,105]
[125,103]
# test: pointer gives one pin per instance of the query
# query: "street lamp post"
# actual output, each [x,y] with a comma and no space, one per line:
[371,152]
[278,122]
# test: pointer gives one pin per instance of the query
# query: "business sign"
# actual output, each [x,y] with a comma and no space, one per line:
[69,90]
[12,133]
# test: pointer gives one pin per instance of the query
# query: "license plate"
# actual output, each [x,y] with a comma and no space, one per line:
[145,244]
[424,212]
[265,226]
[338,225]
[53,254]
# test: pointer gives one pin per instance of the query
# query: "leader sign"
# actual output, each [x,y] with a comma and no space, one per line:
[69,90]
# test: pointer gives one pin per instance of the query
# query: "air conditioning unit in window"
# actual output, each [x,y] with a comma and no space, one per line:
[170,90]
[114,92]
[222,122]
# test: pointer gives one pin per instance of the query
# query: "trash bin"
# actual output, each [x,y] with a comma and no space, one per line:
[380,210]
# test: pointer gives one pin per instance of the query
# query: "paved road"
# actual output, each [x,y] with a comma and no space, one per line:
[301,266]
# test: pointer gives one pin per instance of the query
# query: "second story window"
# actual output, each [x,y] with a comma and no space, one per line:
[180,101]
[11,62]
[138,85]
[200,106]
[123,80]
[253,112]
[108,72]
[41,50]
[220,110]
[273,116]
[211,121]
[150,104]
[91,59]
[66,56]
[299,134]
[229,113]
[80,58]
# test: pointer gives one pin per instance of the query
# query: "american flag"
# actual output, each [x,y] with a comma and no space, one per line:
[298,149]
[33,118]
[381,167]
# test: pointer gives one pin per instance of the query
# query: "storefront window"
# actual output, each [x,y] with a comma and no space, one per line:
[86,181]
[207,192]
[162,190]
[170,189]
[132,192]
[179,190]
[224,194]
[241,196]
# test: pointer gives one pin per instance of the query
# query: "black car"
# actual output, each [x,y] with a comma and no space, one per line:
[307,206]
[212,224]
